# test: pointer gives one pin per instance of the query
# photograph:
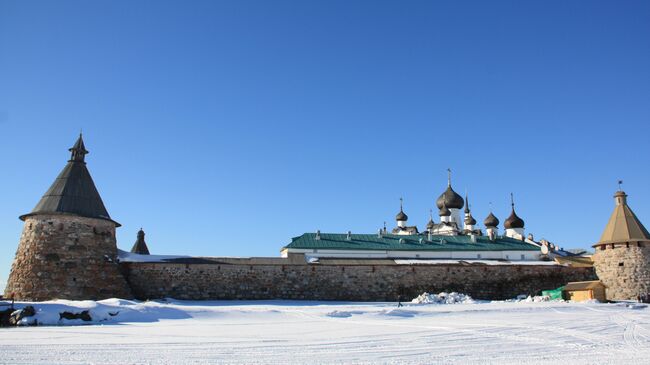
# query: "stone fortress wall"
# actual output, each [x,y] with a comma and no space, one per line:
[624,268]
[71,257]
[68,250]
[280,279]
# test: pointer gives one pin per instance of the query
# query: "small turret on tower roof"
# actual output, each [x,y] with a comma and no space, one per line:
[79,150]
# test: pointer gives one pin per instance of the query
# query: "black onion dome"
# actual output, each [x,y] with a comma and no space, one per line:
[431,224]
[451,199]
[401,216]
[491,221]
[469,220]
[513,221]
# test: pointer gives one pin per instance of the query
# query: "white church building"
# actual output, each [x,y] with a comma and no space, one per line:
[452,238]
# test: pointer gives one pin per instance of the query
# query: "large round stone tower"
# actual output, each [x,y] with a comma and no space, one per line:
[622,257]
[67,248]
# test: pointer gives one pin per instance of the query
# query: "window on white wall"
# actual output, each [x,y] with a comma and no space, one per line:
[523,257]
[478,256]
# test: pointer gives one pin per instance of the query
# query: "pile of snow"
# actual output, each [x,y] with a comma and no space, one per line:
[536,299]
[523,298]
[443,298]
[49,313]
[343,314]
[311,259]
[633,305]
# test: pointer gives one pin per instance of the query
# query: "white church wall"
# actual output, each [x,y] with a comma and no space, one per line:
[516,233]
[488,255]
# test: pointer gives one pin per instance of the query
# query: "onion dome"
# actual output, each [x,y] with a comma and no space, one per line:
[444,211]
[491,221]
[401,216]
[513,221]
[450,198]
[470,221]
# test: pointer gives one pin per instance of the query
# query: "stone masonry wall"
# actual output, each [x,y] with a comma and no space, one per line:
[342,282]
[65,256]
[624,269]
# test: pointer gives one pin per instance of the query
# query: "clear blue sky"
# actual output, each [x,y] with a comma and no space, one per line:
[228,127]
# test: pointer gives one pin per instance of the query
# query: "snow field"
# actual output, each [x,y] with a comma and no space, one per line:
[292,332]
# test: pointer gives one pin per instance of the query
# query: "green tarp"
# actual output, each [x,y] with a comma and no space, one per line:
[554,293]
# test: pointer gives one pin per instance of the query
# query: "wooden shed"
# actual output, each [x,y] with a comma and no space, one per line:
[584,290]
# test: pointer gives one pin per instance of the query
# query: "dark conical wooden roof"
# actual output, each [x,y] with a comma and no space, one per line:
[73,191]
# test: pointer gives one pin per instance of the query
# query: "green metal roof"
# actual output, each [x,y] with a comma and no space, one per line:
[337,241]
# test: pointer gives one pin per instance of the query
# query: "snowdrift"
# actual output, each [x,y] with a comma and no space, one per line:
[54,313]
[443,298]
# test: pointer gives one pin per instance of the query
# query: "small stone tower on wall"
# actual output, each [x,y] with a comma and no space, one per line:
[67,248]
[622,257]
[140,246]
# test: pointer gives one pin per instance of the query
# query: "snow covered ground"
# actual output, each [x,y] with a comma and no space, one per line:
[291,332]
